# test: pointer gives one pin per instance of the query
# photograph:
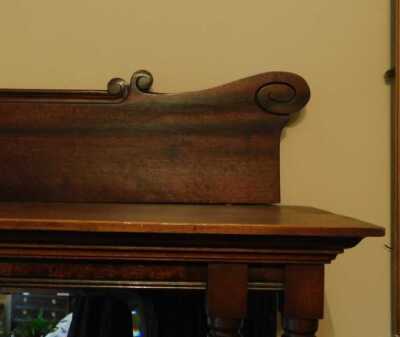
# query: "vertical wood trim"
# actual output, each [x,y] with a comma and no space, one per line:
[227,290]
[226,299]
[396,173]
[304,292]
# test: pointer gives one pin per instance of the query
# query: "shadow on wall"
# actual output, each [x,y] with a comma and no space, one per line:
[326,328]
[296,118]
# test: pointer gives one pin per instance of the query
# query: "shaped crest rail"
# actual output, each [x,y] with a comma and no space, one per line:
[129,144]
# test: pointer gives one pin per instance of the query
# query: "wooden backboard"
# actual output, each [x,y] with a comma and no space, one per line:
[128,144]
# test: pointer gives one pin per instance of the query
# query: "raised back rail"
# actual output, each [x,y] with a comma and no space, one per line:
[128,144]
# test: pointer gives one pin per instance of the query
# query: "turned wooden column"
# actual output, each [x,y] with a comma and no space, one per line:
[303,300]
[226,299]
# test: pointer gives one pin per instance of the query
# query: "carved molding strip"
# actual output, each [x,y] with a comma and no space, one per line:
[65,283]
[169,254]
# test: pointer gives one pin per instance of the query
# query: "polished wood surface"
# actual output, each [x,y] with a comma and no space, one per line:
[226,309]
[219,145]
[182,219]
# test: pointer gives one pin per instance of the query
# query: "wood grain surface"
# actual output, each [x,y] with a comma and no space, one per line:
[128,144]
[191,219]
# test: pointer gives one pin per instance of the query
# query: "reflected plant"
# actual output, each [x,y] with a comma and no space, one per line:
[37,327]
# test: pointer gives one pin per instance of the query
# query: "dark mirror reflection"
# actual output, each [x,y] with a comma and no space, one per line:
[56,313]
[44,313]
[29,313]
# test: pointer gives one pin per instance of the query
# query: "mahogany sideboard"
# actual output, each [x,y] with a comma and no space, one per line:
[127,188]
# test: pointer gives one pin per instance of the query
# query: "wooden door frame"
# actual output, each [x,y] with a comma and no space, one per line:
[396,171]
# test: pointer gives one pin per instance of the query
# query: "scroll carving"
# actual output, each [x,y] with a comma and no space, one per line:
[142,80]
[283,94]
[117,87]
[280,98]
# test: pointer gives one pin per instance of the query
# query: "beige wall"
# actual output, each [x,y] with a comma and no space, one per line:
[335,157]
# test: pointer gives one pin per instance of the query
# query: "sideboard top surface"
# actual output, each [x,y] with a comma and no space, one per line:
[181,219]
